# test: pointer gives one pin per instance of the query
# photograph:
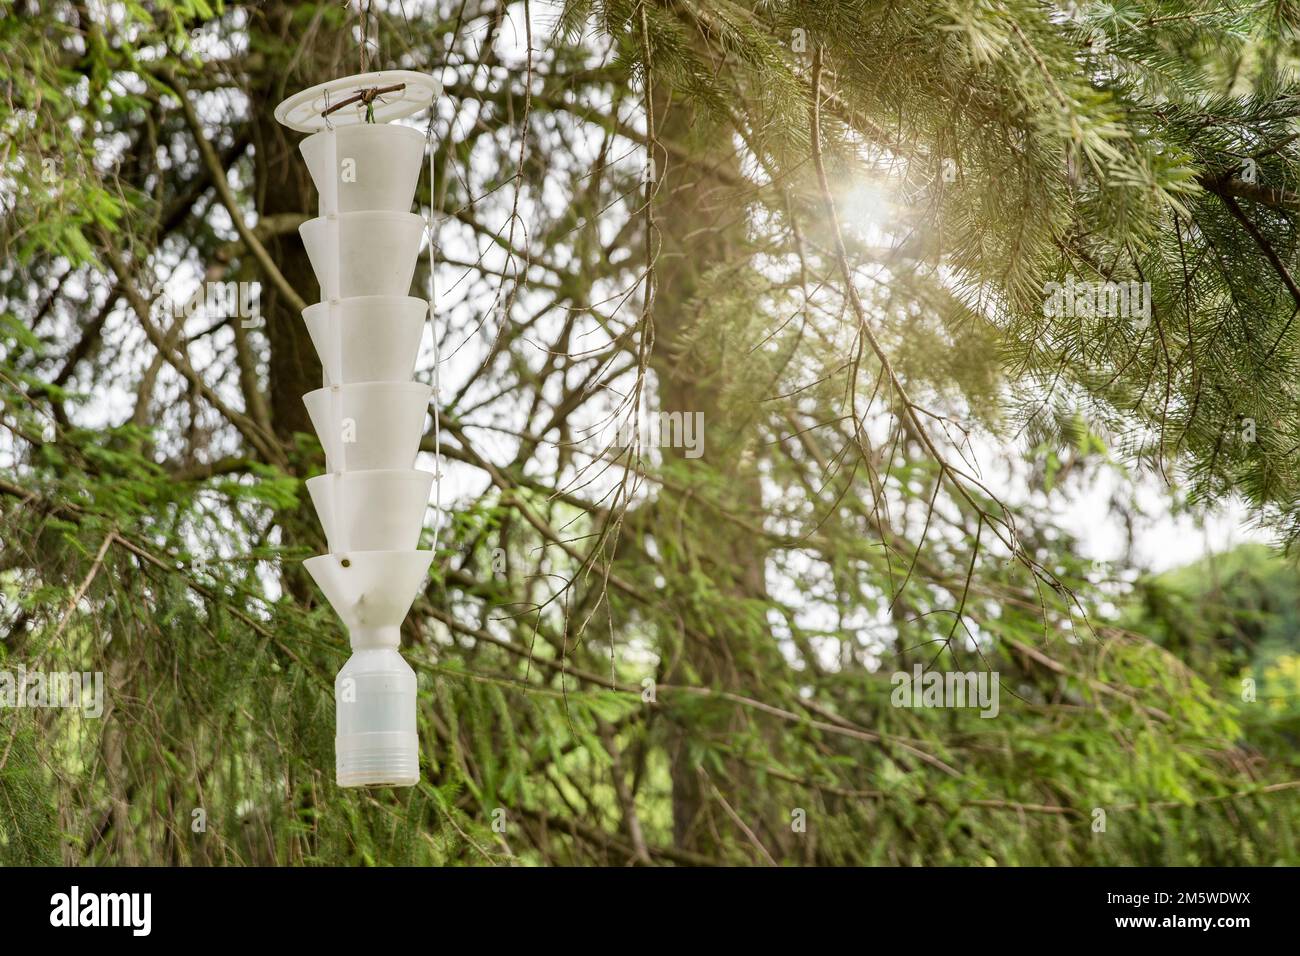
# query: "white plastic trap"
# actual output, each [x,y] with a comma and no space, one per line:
[370,415]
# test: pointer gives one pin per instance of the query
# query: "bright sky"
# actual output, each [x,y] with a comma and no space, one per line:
[1162,540]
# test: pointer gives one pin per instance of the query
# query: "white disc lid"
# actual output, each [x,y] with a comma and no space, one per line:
[303,110]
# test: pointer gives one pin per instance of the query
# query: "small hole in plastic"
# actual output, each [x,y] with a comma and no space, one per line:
[346,563]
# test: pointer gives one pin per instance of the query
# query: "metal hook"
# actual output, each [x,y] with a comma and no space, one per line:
[325,115]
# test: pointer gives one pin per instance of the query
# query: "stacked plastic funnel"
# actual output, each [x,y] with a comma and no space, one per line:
[369,416]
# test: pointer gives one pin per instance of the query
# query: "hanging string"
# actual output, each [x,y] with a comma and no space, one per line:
[436,378]
[330,292]
[364,13]
[365,97]
[434,224]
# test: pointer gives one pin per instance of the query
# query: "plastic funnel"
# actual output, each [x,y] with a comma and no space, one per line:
[373,338]
[371,590]
[376,252]
[369,425]
[377,165]
[372,510]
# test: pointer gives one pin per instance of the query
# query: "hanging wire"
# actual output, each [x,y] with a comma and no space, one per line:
[436,378]
[366,98]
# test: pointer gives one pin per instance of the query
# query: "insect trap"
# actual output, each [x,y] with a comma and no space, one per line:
[370,412]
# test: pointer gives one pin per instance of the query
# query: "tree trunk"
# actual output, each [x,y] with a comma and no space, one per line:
[701,228]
